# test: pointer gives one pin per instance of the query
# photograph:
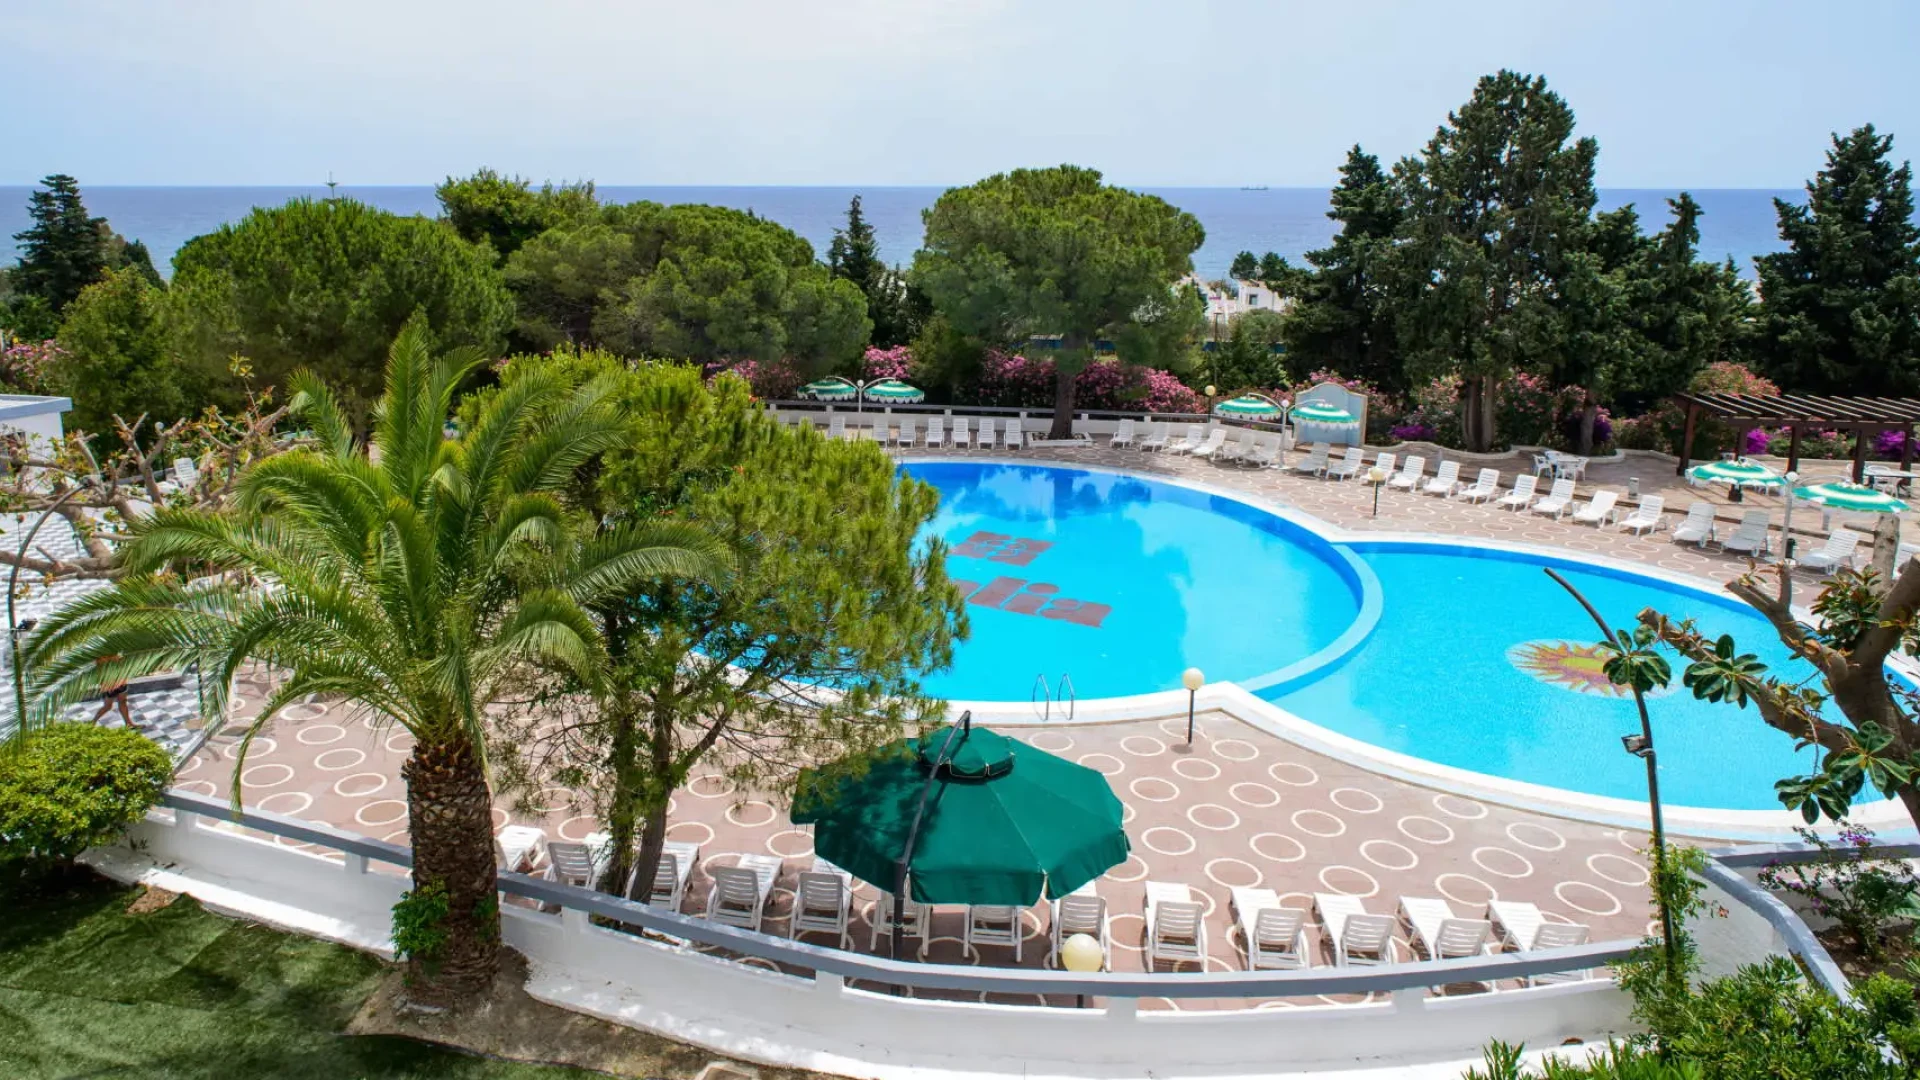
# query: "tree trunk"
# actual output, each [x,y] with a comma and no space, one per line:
[1589,415]
[1063,387]
[450,818]
[653,842]
[647,801]
[1476,413]
[620,814]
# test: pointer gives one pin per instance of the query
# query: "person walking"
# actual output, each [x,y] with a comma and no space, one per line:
[112,694]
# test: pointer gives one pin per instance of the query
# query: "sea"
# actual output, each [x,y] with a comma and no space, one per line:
[1738,223]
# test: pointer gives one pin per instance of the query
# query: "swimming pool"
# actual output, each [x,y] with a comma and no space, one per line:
[1463,655]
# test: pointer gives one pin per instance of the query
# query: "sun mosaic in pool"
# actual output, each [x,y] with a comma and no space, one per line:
[1569,665]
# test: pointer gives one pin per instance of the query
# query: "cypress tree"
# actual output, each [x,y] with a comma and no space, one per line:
[64,250]
[854,255]
[1842,303]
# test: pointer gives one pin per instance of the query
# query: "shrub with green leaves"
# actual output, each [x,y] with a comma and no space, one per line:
[69,787]
[1849,883]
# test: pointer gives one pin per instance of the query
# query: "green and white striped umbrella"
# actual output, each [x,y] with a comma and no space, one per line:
[1738,471]
[1319,412]
[893,391]
[1248,407]
[831,388]
[1840,495]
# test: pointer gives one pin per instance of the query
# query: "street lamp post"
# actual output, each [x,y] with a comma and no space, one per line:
[1786,525]
[1193,679]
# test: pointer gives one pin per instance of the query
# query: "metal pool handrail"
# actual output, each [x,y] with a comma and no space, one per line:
[360,851]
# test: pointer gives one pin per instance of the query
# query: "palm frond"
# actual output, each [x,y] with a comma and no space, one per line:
[314,402]
[638,552]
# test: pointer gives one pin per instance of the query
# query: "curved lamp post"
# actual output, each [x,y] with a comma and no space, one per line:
[1193,679]
[13,587]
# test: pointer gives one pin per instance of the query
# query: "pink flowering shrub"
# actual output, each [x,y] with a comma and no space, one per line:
[771,380]
[886,363]
[30,367]
[1009,380]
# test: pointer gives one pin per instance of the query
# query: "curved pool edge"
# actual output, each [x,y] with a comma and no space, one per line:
[1237,700]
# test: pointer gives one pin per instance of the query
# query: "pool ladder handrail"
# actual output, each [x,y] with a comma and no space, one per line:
[1042,697]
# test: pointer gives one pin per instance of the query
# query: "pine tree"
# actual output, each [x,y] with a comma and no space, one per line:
[1842,303]
[854,255]
[64,250]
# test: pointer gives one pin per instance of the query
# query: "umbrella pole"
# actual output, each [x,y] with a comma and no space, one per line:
[913,833]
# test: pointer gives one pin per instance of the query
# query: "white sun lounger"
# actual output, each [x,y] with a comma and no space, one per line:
[1215,440]
[1385,463]
[1436,931]
[836,426]
[1157,435]
[823,903]
[1523,929]
[1189,442]
[1240,448]
[962,433]
[1485,486]
[1598,509]
[989,433]
[739,894]
[1752,536]
[583,863]
[1352,464]
[1356,935]
[1274,936]
[904,434]
[519,847]
[1082,911]
[936,432]
[1122,435]
[993,924]
[1835,553]
[1315,463]
[1410,473]
[1176,927]
[677,860]
[1267,454]
[1647,517]
[916,917]
[1444,480]
[1698,527]
[1522,494]
[1557,500]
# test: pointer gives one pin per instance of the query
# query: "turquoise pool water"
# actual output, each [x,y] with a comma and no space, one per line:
[1124,582]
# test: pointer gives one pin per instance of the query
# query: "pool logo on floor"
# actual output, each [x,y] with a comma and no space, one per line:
[1017,595]
[1570,665]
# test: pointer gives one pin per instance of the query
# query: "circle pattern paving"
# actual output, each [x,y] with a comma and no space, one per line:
[1238,809]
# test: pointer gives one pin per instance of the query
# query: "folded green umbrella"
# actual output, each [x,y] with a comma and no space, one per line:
[831,388]
[1249,407]
[1858,498]
[893,390]
[1738,471]
[1314,412]
[1005,823]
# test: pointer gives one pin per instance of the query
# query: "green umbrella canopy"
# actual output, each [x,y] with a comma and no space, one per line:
[1318,412]
[831,388]
[1840,495]
[1250,406]
[1006,824]
[895,390]
[1738,471]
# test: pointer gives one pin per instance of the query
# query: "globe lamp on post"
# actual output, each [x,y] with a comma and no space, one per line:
[1081,955]
[1786,525]
[1376,476]
[1193,679]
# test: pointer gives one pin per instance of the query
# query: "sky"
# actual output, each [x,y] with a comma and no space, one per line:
[1700,93]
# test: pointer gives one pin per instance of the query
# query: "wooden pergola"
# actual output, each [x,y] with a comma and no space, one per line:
[1863,417]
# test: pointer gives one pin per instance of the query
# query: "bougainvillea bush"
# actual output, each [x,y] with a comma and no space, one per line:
[1013,381]
[771,380]
[886,363]
[30,367]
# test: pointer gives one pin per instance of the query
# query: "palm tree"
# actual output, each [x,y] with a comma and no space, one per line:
[411,581]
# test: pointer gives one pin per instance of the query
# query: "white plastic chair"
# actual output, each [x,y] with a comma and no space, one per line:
[962,433]
[1647,517]
[1435,930]
[1176,925]
[1356,935]
[1082,911]
[1352,464]
[1444,480]
[993,924]
[1698,527]
[1122,435]
[905,435]
[1557,500]
[677,860]
[1274,936]
[1598,509]
[823,903]
[989,433]
[1522,494]
[739,893]
[1315,463]
[1837,552]
[836,426]
[915,917]
[1485,486]
[936,432]
[1410,473]
[518,847]
[1751,536]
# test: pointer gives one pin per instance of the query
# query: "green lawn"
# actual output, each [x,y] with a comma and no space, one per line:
[87,990]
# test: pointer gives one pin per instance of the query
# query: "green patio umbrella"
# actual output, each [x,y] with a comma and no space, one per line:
[1248,407]
[1841,495]
[895,392]
[831,388]
[1737,471]
[1005,823]
[1319,412]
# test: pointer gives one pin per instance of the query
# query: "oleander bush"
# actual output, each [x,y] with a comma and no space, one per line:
[69,786]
